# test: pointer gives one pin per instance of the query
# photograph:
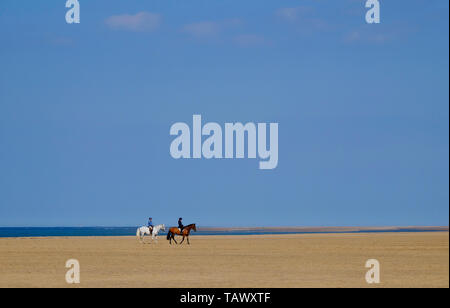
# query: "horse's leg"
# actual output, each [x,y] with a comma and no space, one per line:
[173,237]
[182,240]
[188,240]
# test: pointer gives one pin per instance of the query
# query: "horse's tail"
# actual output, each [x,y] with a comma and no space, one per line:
[169,234]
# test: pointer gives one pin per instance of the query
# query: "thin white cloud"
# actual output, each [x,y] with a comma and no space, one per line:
[371,35]
[208,29]
[202,29]
[247,40]
[62,41]
[142,21]
[304,20]
[292,14]
[352,36]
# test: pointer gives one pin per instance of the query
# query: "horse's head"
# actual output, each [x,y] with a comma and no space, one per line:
[194,228]
[163,227]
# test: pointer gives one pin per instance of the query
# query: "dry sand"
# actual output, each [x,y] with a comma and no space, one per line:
[306,260]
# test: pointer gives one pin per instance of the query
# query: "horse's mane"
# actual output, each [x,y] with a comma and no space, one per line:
[190,225]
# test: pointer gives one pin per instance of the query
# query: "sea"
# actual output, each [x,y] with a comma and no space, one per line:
[8,232]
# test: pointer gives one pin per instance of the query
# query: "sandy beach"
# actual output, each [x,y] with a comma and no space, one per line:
[301,260]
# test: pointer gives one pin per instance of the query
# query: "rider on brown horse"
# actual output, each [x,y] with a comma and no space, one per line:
[181,231]
[180,225]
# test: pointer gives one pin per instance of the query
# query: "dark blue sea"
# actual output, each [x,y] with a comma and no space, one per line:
[130,231]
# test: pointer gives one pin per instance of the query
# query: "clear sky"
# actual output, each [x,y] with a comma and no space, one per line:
[85,112]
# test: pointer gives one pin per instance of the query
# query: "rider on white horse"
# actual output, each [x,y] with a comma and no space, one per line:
[143,231]
[150,225]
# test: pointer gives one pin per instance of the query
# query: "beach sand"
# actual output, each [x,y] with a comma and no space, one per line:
[302,260]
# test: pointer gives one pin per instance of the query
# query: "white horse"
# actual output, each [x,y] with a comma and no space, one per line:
[143,231]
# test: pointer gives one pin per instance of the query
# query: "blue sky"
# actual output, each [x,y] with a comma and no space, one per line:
[85,112]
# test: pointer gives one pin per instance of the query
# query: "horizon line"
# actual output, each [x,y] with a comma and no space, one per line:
[389,227]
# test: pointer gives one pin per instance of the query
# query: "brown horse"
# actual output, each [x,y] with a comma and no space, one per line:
[185,233]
